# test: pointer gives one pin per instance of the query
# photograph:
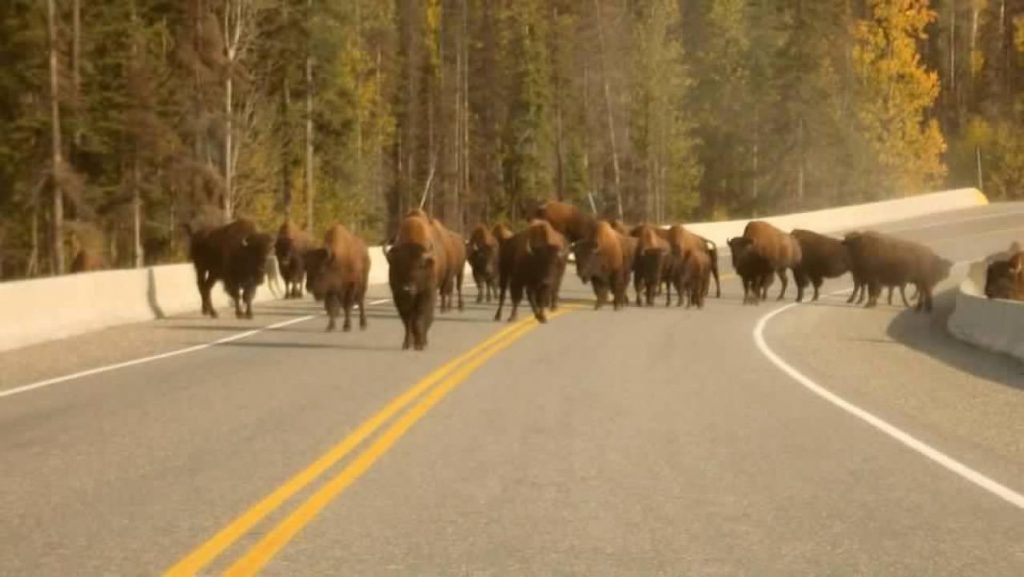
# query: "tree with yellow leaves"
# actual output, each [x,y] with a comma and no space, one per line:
[896,94]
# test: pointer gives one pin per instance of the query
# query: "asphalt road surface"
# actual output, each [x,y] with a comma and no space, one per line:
[825,440]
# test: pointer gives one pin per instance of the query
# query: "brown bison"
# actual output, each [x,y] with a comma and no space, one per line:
[600,261]
[822,257]
[683,242]
[1004,277]
[567,219]
[693,279]
[236,254]
[885,261]
[762,251]
[338,274]
[291,245]
[482,253]
[532,261]
[416,265]
[652,262]
[455,253]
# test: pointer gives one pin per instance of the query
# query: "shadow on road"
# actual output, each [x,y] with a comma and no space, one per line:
[323,346]
[928,334]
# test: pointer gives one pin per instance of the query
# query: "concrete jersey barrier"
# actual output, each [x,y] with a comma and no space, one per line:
[39,310]
[992,324]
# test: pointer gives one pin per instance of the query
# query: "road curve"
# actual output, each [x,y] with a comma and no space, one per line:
[644,442]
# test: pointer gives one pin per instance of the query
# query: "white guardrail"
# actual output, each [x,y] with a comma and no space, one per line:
[38,310]
[992,324]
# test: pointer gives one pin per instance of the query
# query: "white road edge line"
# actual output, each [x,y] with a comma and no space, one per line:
[168,354]
[986,483]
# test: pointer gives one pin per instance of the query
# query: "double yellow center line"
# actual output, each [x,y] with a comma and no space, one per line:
[429,392]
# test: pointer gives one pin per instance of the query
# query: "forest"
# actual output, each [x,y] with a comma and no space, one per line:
[121,120]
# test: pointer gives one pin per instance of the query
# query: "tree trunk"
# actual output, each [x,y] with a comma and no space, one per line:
[228,148]
[310,192]
[608,110]
[57,233]
[137,255]
[76,73]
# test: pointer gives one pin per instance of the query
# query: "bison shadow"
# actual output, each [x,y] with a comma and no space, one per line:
[928,334]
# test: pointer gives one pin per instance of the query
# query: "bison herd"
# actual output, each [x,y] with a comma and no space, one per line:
[426,261]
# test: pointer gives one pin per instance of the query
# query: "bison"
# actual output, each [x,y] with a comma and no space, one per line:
[693,279]
[236,254]
[600,261]
[454,252]
[573,223]
[762,251]
[338,274]
[482,253]
[1004,277]
[533,262]
[652,262]
[291,245]
[822,257]
[416,265]
[682,243]
[885,261]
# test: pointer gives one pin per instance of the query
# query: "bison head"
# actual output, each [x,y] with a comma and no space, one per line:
[588,259]
[480,257]
[739,247]
[411,270]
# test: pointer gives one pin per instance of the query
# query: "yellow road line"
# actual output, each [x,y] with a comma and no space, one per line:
[208,551]
[263,551]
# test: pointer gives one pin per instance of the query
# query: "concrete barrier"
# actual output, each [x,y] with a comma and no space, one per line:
[992,324]
[38,310]
[833,220]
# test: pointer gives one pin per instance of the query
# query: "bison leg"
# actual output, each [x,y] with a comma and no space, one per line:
[517,297]
[205,281]
[903,295]
[331,305]
[423,316]
[784,279]
[816,281]
[362,307]
[348,301]
[481,287]
[801,280]
[458,288]
[503,288]
[600,292]
[537,298]
[874,292]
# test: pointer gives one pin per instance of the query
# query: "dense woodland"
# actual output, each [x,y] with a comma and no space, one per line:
[122,119]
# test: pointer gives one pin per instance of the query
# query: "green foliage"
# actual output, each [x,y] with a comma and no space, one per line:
[685,109]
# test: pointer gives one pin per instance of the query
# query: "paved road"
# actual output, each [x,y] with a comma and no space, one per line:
[645,442]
